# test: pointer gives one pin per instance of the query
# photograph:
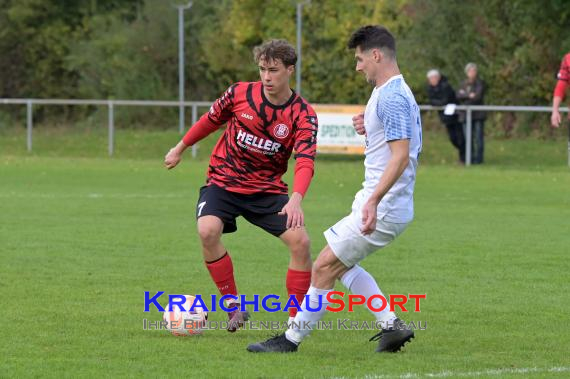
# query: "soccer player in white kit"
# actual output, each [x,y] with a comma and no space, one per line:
[382,209]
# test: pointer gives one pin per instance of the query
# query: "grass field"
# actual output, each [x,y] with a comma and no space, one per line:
[82,236]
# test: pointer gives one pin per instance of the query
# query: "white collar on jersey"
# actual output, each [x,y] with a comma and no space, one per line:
[399,76]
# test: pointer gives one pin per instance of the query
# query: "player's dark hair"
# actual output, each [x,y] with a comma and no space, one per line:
[373,37]
[276,49]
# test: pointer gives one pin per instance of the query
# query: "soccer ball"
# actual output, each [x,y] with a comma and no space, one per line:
[185,323]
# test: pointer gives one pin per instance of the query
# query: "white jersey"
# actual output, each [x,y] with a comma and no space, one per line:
[392,114]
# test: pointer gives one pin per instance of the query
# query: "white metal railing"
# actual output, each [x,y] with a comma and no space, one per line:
[111,104]
[493,108]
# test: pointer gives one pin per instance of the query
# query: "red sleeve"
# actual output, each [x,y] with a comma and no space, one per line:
[563,77]
[220,112]
[560,89]
[199,130]
[306,150]
[303,176]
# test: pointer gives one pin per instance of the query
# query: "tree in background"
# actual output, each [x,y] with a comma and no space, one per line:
[128,48]
[35,41]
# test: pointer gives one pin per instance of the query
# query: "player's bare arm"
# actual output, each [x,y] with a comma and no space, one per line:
[562,83]
[174,155]
[555,118]
[396,165]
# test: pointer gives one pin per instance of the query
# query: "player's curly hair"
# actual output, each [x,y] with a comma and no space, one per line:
[276,49]
[373,36]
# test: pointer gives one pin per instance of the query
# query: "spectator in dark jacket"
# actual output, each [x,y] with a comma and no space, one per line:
[441,93]
[472,92]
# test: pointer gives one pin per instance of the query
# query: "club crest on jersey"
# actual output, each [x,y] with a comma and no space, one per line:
[281,131]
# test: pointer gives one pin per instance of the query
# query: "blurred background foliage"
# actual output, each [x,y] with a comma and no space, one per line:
[128,49]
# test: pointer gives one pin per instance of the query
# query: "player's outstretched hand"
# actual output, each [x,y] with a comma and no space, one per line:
[294,212]
[172,158]
[358,123]
[369,216]
[555,119]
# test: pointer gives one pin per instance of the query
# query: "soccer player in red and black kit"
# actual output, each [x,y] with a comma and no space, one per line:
[266,122]
[560,89]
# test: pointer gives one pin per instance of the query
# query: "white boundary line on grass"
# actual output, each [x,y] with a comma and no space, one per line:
[456,374]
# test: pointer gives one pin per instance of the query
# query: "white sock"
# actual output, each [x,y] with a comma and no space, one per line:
[297,330]
[360,282]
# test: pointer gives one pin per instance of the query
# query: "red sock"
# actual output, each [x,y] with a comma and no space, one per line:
[222,272]
[298,283]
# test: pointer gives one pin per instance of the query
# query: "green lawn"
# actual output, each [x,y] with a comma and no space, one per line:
[142,143]
[82,236]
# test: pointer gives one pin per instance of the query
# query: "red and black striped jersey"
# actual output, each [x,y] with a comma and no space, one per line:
[252,154]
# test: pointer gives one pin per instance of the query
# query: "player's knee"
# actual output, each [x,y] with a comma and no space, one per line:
[322,271]
[302,247]
[209,235]
[304,244]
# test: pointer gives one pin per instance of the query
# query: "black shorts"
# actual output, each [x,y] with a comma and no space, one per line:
[260,209]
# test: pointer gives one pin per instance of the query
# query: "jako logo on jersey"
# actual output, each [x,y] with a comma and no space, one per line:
[281,131]
[245,115]
[255,141]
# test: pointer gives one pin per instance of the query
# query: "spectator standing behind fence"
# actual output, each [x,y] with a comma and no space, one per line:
[441,93]
[560,89]
[472,92]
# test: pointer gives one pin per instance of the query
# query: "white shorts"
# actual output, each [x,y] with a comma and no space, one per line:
[347,241]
